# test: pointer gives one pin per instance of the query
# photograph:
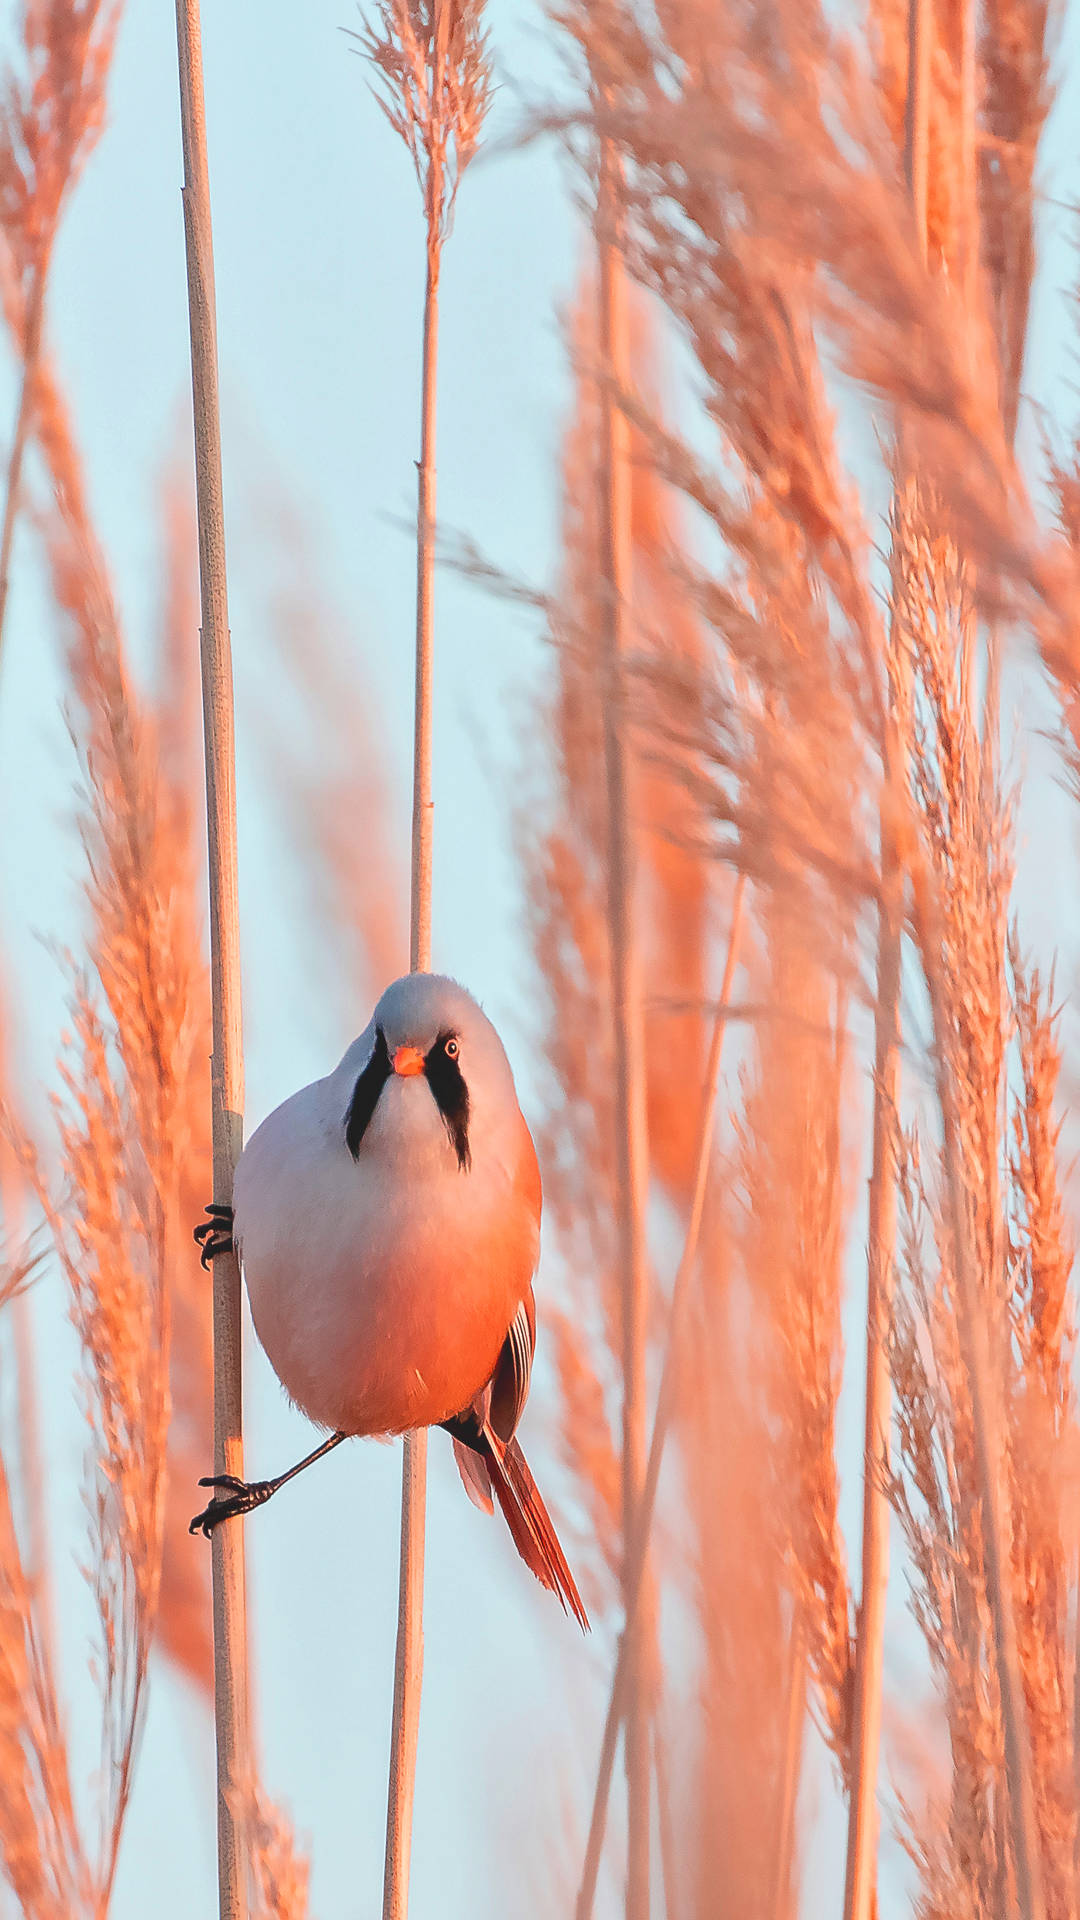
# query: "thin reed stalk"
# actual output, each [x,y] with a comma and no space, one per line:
[423,806]
[631,1118]
[231,1709]
[860,1880]
[432,64]
[409,1651]
[789,1774]
[669,1852]
[861,1869]
[665,1408]
[968,142]
[408,1677]
[917,116]
[860,1877]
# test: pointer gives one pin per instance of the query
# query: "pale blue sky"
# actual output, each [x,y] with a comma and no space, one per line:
[319,261]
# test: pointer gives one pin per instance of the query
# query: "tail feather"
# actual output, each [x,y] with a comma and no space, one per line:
[530,1523]
[475,1477]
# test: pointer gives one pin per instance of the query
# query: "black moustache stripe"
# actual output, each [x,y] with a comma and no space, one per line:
[366,1094]
[444,1077]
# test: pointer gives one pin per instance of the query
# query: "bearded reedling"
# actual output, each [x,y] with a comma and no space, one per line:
[388,1220]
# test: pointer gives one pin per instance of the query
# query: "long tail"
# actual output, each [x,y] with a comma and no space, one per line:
[530,1523]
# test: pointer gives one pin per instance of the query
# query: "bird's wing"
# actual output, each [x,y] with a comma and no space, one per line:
[500,1405]
[513,1372]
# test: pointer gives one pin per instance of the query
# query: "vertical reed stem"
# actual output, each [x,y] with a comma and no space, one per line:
[423,810]
[861,1871]
[917,114]
[669,1850]
[860,1881]
[227,1071]
[969,152]
[409,1655]
[795,1690]
[35,314]
[631,1145]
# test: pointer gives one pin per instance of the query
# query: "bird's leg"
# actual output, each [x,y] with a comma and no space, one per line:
[241,1496]
[214,1236]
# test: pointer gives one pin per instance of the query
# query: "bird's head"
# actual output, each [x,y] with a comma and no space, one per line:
[429,1035]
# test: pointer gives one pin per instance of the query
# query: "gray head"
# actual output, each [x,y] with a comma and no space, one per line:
[427,1025]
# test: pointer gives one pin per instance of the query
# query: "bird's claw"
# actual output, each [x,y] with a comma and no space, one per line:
[215,1235]
[240,1496]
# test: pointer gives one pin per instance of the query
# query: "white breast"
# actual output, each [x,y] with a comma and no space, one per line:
[381,1288]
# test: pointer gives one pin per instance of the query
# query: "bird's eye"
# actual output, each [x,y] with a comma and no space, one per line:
[451,1048]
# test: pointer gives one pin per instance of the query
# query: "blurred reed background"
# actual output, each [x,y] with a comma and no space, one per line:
[793,982]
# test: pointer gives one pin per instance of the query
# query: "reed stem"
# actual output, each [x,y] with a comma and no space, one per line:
[231,1706]
[860,1880]
[795,1692]
[409,1654]
[631,1143]
[860,1884]
[665,1824]
[917,112]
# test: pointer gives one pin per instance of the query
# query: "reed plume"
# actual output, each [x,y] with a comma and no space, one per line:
[709,228]
[51,111]
[1042,1423]
[667,1408]
[794,694]
[185,1627]
[146,812]
[565,842]
[966,1549]
[131,1139]
[40,1844]
[793,1237]
[50,117]
[732,1828]
[116,1227]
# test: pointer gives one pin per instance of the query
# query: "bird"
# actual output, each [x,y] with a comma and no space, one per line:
[387,1220]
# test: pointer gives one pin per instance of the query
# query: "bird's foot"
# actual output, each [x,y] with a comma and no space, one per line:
[239,1496]
[215,1235]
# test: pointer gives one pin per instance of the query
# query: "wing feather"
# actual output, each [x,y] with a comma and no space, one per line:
[513,1372]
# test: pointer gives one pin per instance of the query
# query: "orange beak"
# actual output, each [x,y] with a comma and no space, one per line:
[408,1060]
